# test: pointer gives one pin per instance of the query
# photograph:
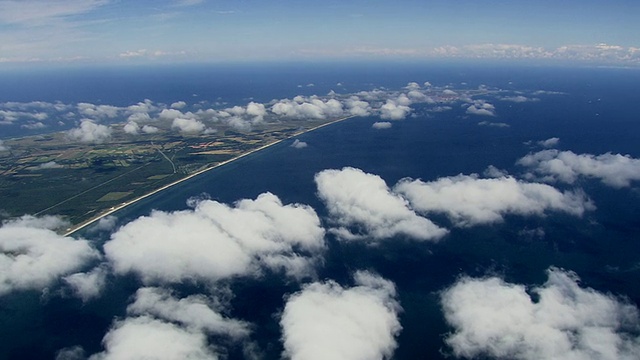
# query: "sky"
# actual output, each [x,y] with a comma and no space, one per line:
[124,31]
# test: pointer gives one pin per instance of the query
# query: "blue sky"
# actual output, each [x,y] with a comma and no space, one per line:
[121,31]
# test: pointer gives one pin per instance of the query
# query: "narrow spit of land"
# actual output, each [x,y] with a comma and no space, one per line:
[49,175]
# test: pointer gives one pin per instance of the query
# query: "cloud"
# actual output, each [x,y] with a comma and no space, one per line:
[363,208]
[412,86]
[381,125]
[215,241]
[89,285]
[550,142]
[297,144]
[493,318]
[327,321]
[41,11]
[468,200]
[145,337]
[178,105]
[49,165]
[195,312]
[393,111]
[148,129]
[494,124]
[308,108]
[358,107]
[614,170]
[518,99]
[90,132]
[481,107]
[98,111]
[171,114]
[188,126]
[3,147]
[258,111]
[160,325]
[33,256]
[131,128]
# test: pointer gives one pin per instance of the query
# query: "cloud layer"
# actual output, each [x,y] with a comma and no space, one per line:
[491,317]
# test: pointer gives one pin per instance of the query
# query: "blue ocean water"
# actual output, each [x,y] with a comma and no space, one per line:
[593,114]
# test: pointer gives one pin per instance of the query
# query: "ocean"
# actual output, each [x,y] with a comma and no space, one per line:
[590,110]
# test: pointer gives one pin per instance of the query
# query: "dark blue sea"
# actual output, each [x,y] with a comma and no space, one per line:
[591,110]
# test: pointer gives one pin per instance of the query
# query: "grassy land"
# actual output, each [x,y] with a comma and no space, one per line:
[48,174]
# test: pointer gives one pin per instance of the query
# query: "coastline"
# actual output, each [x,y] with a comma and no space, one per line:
[70,231]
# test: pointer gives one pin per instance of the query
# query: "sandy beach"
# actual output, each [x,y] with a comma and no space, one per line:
[117,208]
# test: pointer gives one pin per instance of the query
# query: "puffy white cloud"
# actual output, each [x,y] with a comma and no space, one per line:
[481,107]
[615,170]
[363,208]
[501,320]
[3,147]
[171,114]
[381,125]
[393,111]
[161,326]
[148,129]
[145,337]
[468,200]
[358,107]
[139,117]
[258,111]
[33,256]
[550,142]
[419,97]
[90,132]
[449,92]
[412,86]
[188,126]
[194,312]
[312,108]
[215,241]
[88,285]
[299,144]
[98,111]
[327,321]
[131,128]
[144,107]
[178,105]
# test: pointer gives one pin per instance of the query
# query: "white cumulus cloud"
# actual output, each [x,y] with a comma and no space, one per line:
[493,318]
[90,132]
[469,200]
[382,125]
[614,170]
[327,321]
[188,126]
[364,208]
[33,256]
[391,110]
[216,241]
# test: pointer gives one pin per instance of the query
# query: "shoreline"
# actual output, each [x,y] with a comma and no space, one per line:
[70,231]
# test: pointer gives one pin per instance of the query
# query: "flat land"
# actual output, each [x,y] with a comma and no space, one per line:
[50,175]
